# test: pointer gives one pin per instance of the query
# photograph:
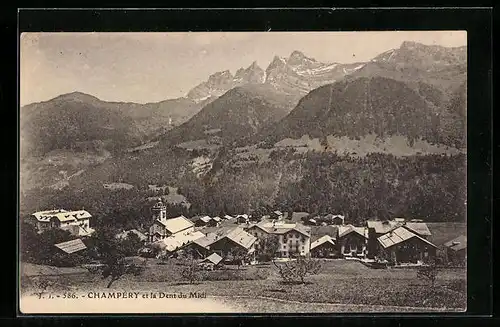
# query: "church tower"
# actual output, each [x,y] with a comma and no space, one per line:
[159,211]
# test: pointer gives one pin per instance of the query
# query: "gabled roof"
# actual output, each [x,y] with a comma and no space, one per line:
[176,241]
[213,258]
[277,212]
[228,217]
[240,237]
[207,240]
[345,230]
[245,216]
[399,235]
[382,227]
[45,216]
[71,246]
[322,240]
[281,228]
[205,219]
[61,215]
[175,225]
[217,219]
[418,228]
[457,244]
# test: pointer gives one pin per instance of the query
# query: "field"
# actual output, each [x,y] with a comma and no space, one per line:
[341,286]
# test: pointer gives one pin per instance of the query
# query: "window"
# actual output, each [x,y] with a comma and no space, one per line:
[284,246]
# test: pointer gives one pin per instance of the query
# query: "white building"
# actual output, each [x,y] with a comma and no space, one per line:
[163,227]
[293,238]
[76,222]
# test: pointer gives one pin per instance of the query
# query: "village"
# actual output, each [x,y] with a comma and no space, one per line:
[213,241]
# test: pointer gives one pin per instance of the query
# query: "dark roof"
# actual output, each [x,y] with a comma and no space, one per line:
[399,235]
[322,240]
[344,230]
[457,244]
[382,227]
[71,246]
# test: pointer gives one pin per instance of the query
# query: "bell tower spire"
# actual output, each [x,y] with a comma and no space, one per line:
[159,211]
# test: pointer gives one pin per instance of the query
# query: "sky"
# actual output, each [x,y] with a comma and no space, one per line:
[151,67]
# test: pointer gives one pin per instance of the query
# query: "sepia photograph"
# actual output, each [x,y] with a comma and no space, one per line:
[242,172]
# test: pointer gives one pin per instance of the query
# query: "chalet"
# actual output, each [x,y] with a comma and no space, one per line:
[456,250]
[338,220]
[235,239]
[334,219]
[401,245]
[276,215]
[211,262]
[293,237]
[200,221]
[214,222]
[76,222]
[242,219]
[200,248]
[324,247]
[352,241]
[378,228]
[163,228]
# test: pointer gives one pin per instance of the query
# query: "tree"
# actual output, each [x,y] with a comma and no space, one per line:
[296,271]
[131,244]
[116,267]
[191,271]
[267,247]
[238,256]
[112,255]
[429,272]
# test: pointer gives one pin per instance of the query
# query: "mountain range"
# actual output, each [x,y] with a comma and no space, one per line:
[244,129]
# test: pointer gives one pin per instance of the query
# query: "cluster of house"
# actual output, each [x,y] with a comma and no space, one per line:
[77,223]
[398,240]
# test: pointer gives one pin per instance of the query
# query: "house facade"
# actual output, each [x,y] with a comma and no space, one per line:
[324,247]
[352,241]
[378,228]
[456,251]
[400,245]
[234,240]
[292,238]
[76,222]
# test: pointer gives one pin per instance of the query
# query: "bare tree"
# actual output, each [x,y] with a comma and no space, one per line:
[428,272]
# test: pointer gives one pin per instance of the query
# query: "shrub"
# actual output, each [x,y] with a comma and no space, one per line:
[296,271]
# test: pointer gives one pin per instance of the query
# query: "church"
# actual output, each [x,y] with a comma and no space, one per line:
[162,227]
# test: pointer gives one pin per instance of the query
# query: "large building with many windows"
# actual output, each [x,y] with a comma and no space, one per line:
[294,238]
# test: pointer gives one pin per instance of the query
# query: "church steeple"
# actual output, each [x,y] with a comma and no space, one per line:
[159,211]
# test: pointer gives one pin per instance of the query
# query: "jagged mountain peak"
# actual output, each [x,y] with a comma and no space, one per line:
[298,57]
